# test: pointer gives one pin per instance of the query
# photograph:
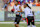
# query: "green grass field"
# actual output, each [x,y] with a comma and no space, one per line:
[12,25]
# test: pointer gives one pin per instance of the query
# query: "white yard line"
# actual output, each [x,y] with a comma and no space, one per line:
[13,22]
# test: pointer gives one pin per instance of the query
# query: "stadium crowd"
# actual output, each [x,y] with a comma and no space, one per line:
[11,3]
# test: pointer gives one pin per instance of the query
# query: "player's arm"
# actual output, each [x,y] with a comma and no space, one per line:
[20,9]
[33,13]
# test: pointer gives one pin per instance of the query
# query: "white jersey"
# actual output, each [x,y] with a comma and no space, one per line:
[17,9]
[28,12]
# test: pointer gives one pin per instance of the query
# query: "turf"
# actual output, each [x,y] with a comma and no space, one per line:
[12,25]
[6,25]
[13,21]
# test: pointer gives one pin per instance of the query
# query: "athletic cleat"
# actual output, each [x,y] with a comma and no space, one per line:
[33,26]
[28,26]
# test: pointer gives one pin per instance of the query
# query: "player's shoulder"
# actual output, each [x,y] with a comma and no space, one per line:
[27,8]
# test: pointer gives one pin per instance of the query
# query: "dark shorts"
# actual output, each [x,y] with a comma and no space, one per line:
[17,19]
[30,19]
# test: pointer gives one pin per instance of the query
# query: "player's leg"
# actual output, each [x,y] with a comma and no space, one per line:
[28,23]
[28,19]
[32,22]
[33,25]
[17,21]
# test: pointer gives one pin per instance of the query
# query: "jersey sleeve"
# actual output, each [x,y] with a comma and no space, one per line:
[25,11]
